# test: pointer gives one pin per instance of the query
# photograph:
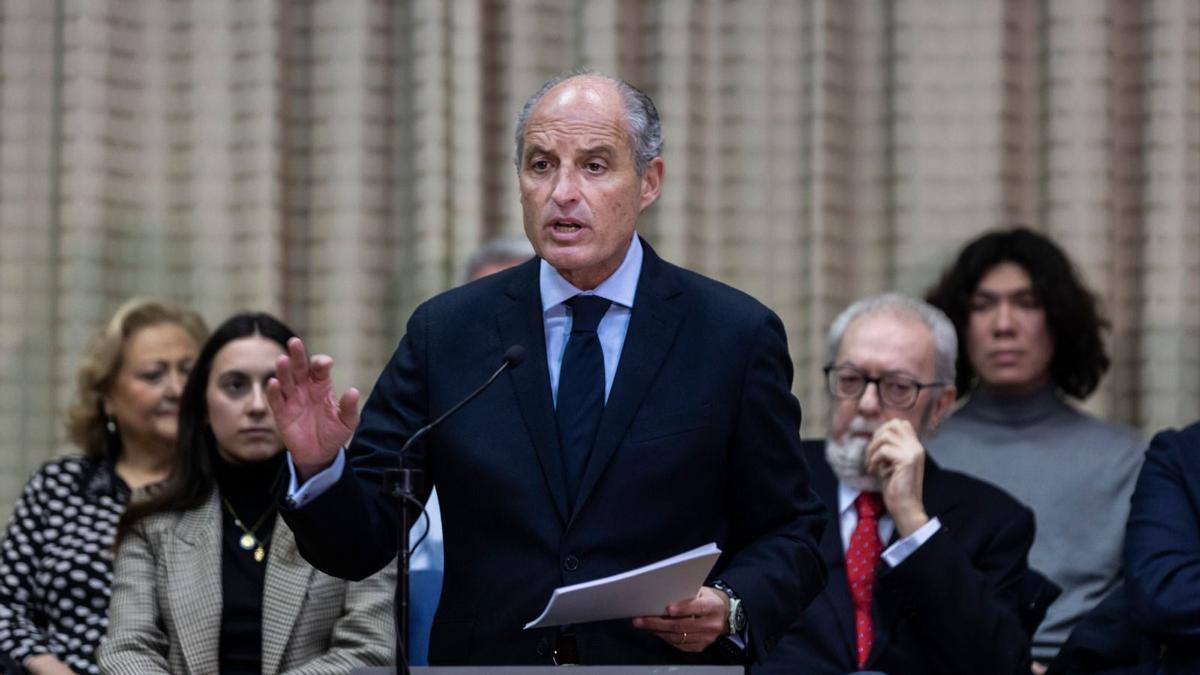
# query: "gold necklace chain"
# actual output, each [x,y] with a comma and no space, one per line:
[249,540]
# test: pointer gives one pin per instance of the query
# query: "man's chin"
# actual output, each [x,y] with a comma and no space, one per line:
[846,460]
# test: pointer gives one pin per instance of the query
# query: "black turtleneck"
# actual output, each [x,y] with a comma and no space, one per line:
[247,489]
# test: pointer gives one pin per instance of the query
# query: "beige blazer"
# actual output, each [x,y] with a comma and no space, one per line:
[165,614]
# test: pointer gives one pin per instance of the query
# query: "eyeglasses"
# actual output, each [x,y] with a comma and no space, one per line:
[895,391]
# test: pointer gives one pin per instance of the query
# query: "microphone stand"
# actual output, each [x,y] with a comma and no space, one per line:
[404,484]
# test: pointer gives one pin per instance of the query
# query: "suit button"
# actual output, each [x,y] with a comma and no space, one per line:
[543,647]
[570,563]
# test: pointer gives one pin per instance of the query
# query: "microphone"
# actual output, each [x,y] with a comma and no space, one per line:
[513,357]
[403,484]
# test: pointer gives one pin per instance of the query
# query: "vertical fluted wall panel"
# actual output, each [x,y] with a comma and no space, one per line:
[337,161]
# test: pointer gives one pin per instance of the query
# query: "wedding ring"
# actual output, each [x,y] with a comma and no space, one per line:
[684,640]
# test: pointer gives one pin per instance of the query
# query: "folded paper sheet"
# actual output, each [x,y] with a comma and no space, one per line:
[645,591]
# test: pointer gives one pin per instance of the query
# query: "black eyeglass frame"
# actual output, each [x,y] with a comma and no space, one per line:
[867,381]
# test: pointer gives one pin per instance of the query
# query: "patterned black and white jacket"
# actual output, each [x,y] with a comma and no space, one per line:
[56,562]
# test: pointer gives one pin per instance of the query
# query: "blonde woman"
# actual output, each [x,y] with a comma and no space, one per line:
[56,556]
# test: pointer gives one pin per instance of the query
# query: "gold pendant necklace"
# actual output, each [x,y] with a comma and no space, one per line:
[248,540]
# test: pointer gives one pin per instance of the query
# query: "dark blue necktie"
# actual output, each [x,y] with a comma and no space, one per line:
[580,388]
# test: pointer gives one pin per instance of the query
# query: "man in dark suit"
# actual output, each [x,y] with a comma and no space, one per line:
[1162,549]
[924,563]
[654,414]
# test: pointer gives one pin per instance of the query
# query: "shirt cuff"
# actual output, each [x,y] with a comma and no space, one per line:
[299,495]
[899,551]
[740,640]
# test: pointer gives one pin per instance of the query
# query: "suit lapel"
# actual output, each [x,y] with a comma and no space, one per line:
[288,575]
[652,328]
[837,589]
[195,585]
[521,323]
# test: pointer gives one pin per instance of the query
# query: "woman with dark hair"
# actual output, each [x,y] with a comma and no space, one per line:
[1029,336]
[208,578]
[56,557]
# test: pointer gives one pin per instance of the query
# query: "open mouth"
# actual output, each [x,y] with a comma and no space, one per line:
[566,226]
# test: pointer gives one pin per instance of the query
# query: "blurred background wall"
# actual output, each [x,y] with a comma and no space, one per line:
[336,161]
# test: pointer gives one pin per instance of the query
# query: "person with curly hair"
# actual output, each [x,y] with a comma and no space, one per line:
[56,556]
[1029,342]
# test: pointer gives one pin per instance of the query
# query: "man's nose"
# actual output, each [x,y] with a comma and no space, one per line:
[868,401]
[566,187]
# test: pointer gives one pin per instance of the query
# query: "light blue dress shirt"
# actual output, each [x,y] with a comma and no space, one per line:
[619,287]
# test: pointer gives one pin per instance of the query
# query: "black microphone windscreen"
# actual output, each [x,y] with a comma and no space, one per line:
[514,356]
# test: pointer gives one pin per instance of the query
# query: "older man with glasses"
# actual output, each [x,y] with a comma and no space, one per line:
[926,566]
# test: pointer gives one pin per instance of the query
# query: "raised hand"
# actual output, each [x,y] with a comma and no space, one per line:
[313,425]
[895,456]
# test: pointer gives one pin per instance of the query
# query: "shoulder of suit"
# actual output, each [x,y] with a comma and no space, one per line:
[1183,442]
[726,304]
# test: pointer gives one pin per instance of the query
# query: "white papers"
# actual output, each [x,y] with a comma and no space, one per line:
[645,591]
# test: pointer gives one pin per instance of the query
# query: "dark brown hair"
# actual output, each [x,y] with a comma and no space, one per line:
[1072,311]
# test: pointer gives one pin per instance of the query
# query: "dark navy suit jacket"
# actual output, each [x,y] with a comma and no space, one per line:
[699,442]
[1162,549]
[950,608]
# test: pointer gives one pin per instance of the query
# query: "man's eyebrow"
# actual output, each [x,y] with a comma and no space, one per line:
[900,373]
[601,149]
[534,148]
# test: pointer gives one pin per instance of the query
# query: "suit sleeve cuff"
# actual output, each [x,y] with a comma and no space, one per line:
[899,551]
[299,495]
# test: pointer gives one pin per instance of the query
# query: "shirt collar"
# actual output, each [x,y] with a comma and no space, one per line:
[619,287]
[846,497]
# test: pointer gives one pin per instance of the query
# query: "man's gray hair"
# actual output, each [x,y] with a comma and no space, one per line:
[945,340]
[510,249]
[645,129]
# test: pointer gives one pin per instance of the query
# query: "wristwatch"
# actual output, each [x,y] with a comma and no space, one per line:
[737,617]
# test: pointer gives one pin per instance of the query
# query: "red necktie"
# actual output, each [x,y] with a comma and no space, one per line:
[862,557]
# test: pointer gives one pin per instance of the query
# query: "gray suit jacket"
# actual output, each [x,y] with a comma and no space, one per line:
[165,615]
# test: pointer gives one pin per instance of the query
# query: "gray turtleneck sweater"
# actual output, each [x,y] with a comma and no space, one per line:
[1075,471]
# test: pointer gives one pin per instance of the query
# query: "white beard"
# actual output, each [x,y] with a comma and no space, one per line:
[847,457]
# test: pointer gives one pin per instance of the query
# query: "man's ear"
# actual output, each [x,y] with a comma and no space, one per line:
[652,182]
[943,405]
